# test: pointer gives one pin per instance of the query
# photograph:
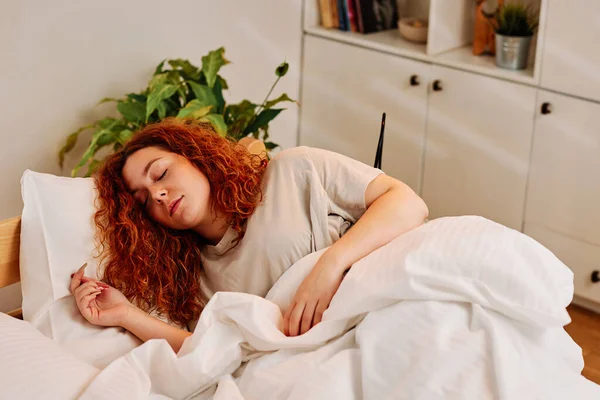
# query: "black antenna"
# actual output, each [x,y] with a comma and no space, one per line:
[379,152]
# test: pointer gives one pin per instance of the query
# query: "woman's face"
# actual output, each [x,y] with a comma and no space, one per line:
[171,189]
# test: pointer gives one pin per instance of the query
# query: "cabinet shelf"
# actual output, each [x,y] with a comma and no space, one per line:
[388,41]
[392,42]
[463,58]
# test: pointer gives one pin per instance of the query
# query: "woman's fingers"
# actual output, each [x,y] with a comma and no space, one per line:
[76,278]
[99,283]
[318,317]
[87,299]
[85,290]
[307,317]
[295,318]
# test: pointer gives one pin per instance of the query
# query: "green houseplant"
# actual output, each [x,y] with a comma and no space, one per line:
[179,89]
[515,25]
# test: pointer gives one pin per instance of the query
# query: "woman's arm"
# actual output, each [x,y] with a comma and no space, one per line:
[104,305]
[147,327]
[393,208]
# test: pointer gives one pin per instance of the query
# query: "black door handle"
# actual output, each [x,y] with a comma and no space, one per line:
[596,276]
[437,85]
[414,80]
[546,108]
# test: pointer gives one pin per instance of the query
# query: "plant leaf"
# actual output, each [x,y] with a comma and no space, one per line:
[271,145]
[238,116]
[162,110]
[203,93]
[93,167]
[174,77]
[106,100]
[105,139]
[282,69]
[156,96]
[218,92]
[223,82]
[157,80]
[217,122]
[195,109]
[70,143]
[262,120]
[105,122]
[283,97]
[211,63]
[124,136]
[190,71]
[93,147]
[137,97]
[159,68]
[133,111]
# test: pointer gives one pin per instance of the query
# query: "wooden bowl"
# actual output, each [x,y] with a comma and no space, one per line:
[413,29]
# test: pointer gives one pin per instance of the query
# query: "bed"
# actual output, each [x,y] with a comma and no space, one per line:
[459,308]
[9,255]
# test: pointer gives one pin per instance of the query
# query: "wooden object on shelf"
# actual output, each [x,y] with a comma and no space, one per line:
[483,32]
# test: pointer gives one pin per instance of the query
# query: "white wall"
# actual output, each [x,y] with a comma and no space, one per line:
[58,58]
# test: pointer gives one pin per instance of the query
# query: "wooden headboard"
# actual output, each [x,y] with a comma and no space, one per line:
[10,234]
[10,239]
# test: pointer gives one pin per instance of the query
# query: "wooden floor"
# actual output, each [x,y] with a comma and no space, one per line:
[585,330]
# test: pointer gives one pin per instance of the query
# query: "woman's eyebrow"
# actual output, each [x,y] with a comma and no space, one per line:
[147,168]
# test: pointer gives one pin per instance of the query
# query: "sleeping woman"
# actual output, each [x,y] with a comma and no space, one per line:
[184,213]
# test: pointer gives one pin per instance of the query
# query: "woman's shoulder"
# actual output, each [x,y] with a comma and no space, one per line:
[299,156]
[291,154]
[293,157]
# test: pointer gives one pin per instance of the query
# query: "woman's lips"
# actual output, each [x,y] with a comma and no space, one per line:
[175,206]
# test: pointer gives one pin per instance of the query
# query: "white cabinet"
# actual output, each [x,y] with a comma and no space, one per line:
[564,188]
[571,54]
[582,258]
[563,200]
[346,88]
[478,145]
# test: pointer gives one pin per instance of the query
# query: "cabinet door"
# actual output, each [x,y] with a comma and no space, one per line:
[571,52]
[564,186]
[582,258]
[345,89]
[478,144]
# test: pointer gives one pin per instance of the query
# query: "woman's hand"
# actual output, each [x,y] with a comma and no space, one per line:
[98,302]
[312,298]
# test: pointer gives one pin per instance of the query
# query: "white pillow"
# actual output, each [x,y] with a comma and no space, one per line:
[57,237]
[34,367]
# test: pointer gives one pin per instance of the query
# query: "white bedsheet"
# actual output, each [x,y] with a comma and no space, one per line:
[460,308]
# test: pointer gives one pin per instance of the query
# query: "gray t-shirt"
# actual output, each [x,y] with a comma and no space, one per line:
[311,198]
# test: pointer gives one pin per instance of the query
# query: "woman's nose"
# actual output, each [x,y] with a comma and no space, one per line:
[159,195]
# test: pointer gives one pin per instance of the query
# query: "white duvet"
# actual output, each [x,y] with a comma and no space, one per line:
[460,308]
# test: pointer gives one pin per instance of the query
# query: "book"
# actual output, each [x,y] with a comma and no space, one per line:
[350,5]
[377,15]
[326,14]
[342,15]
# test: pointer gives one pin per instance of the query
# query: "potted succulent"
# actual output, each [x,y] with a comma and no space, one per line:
[180,89]
[514,25]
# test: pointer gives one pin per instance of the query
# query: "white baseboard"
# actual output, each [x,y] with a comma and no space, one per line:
[585,303]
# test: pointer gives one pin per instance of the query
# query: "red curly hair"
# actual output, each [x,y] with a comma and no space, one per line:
[155,267]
